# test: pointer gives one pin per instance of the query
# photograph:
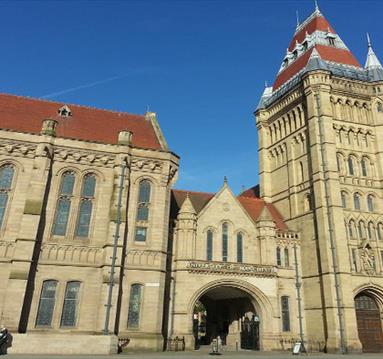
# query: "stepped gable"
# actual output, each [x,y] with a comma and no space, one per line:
[314,33]
[254,206]
[23,114]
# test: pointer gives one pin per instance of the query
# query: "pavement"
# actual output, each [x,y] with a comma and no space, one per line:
[203,354]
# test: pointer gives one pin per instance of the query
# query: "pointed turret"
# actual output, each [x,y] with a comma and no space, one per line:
[187,207]
[373,65]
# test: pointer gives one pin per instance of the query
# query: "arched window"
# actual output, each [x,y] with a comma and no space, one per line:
[239,247]
[278,254]
[86,205]
[301,173]
[308,202]
[343,196]
[371,231]
[363,165]
[285,308]
[357,201]
[370,203]
[134,305]
[350,166]
[379,231]
[351,229]
[70,306]
[209,245]
[361,230]
[143,207]
[6,178]
[224,242]
[46,303]
[287,259]
[63,204]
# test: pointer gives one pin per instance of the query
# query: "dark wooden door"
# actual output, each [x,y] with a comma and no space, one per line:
[369,324]
[250,334]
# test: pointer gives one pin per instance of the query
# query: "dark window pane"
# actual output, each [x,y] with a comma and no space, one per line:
[285,314]
[224,242]
[6,177]
[67,183]
[47,303]
[239,248]
[140,234]
[209,246]
[142,212]
[61,218]
[89,186]
[279,262]
[83,221]
[134,306]
[3,205]
[287,260]
[144,192]
[69,313]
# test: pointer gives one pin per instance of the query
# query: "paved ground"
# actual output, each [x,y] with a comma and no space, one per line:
[199,355]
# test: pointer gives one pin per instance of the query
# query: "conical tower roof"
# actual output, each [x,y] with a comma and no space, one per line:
[315,33]
[373,65]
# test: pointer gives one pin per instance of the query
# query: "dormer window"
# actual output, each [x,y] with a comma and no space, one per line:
[285,63]
[295,54]
[64,111]
[304,46]
[331,39]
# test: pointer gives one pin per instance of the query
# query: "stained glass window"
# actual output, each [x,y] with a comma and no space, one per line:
[69,312]
[47,303]
[6,178]
[86,205]
[239,248]
[224,242]
[143,204]
[285,314]
[365,302]
[209,245]
[144,191]
[63,204]
[134,306]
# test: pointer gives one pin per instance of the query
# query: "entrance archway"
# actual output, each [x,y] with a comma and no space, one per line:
[229,313]
[369,323]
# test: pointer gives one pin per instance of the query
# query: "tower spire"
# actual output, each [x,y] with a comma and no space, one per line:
[373,65]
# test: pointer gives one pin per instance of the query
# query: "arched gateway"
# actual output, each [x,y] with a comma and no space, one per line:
[229,313]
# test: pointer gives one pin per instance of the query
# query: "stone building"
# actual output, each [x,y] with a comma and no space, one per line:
[299,257]
[320,129]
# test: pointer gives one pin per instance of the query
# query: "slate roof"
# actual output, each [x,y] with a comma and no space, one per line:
[24,114]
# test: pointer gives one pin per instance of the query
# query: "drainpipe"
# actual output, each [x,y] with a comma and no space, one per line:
[108,305]
[334,256]
[298,286]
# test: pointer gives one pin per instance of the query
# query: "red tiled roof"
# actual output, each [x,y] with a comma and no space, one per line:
[251,192]
[254,207]
[251,204]
[25,114]
[317,23]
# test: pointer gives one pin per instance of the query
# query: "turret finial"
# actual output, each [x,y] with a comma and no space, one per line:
[316,5]
[266,84]
[225,181]
[297,14]
[368,40]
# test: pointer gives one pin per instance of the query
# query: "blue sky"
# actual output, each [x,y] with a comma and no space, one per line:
[201,65]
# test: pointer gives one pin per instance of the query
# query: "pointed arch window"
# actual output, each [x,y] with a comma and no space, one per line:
[6,179]
[209,245]
[70,306]
[285,307]
[350,166]
[143,209]
[370,203]
[357,201]
[239,247]
[47,303]
[344,199]
[225,238]
[338,163]
[286,255]
[64,204]
[135,299]
[278,255]
[363,165]
[86,205]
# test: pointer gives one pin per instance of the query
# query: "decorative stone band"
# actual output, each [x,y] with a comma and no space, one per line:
[253,270]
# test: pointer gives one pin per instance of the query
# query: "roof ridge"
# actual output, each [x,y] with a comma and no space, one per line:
[72,104]
[188,191]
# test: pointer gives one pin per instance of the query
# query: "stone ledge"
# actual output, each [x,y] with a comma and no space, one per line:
[32,343]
